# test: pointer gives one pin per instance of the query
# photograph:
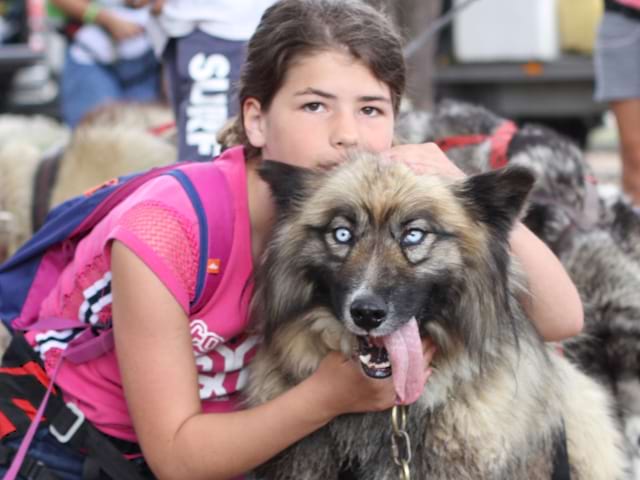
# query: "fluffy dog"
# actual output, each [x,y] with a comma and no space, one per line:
[368,254]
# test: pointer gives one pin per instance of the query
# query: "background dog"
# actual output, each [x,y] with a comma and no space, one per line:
[596,236]
[368,254]
[42,163]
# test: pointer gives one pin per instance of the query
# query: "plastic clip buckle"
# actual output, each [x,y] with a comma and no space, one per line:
[68,435]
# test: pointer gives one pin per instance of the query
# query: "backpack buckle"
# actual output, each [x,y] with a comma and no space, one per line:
[75,426]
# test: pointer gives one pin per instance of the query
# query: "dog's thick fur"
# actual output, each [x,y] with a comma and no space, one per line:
[498,399]
[597,240]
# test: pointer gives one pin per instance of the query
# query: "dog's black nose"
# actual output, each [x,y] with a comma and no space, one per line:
[368,312]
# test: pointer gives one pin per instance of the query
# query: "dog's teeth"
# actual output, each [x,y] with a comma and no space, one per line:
[366,359]
[379,366]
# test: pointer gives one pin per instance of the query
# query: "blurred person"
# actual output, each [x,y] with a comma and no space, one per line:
[109,57]
[617,68]
[202,44]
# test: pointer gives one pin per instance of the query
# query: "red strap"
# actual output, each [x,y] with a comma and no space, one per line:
[500,141]
[448,143]
[162,128]
[29,368]
[27,407]
[6,426]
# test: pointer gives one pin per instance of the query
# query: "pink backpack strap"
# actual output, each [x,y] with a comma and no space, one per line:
[212,200]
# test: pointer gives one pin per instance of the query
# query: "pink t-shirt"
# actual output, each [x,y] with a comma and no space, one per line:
[159,224]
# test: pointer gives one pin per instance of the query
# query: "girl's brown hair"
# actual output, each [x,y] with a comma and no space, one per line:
[290,29]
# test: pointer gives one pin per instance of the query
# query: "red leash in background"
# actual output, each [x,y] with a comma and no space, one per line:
[500,140]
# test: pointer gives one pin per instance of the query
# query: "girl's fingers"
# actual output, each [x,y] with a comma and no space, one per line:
[424,159]
[430,350]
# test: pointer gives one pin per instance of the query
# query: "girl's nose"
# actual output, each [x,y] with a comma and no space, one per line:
[345,131]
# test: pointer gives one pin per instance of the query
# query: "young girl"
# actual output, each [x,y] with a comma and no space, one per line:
[322,77]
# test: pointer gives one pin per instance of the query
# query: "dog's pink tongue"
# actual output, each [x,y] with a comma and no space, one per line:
[407,365]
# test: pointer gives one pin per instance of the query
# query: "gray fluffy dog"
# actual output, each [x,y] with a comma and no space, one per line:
[597,238]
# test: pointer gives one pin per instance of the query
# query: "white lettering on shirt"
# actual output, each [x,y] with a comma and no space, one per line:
[202,339]
[234,361]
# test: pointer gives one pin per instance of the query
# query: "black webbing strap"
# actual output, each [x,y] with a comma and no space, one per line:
[561,467]
[31,469]
[82,436]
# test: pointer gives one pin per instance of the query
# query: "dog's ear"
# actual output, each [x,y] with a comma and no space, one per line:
[288,183]
[496,198]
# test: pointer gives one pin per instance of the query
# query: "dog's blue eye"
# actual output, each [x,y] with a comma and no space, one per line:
[413,237]
[342,235]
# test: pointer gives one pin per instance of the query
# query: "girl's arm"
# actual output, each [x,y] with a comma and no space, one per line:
[160,381]
[554,304]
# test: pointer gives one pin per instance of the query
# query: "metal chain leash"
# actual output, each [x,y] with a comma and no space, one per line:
[400,441]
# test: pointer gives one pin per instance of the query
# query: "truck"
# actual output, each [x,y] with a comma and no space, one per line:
[543,79]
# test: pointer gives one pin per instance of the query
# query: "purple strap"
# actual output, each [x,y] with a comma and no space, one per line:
[54,323]
[85,346]
[89,346]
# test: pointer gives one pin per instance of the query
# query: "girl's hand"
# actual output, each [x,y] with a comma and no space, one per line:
[424,159]
[429,350]
[347,389]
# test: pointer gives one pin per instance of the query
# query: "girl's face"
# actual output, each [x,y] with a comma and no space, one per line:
[329,102]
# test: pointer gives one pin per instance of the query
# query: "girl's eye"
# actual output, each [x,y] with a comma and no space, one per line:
[342,235]
[313,107]
[371,111]
[412,237]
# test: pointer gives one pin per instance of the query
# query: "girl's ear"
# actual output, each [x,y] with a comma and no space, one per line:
[254,122]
